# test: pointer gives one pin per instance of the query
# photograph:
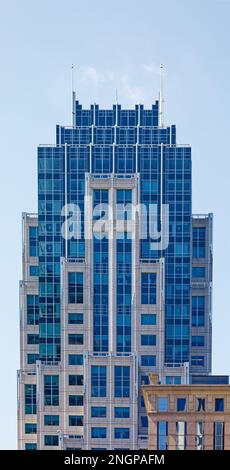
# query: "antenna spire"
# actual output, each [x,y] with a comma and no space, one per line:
[73,98]
[161,99]
[116,96]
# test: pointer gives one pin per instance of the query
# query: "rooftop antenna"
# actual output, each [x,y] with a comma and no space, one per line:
[116,97]
[73,98]
[161,99]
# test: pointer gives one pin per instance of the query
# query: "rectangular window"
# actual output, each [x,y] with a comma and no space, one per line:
[197,361]
[173,380]
[121,412]
[122,381]
[200,404]
[98,411]
[148,361]
[148,288]
[30,428]
[51,390]
[76,400]
[162,404]
[75,420]
[198,272]
[75,359]
[219,405]
[33,241]
[145,379]
[148,340]
[198,242]
[98,433]
[218,434]
[162,435]
[32,358]
[148,319]
[51,440]
[75,319]
[200,435]
[32,310]
[76,380]
[30,446]
[121,433]
[198,341]
[75,338]
[98,381]
[181,404]
[51,420]
[33,339]
[198,310]
[144,422]
[30,399]
[34,270]
[124,204]
[181,430]
[75,288]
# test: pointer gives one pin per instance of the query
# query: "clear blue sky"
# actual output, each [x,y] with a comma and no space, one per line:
[114,45]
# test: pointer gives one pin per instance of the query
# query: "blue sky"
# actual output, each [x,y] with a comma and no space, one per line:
[114,45]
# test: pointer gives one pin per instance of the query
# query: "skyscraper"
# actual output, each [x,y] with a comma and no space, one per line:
[116,282]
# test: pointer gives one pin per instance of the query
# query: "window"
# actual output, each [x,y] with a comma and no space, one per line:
[33,339]
[124,204]
[75,338]
[75,359]
[33,241]
[30,428]
[76,380]
[75,400]
[75,420]
[148,361]
[148,340]
[98,433]
[121,433]
[181,430]
[30,399]
[162,435]
[51,420]
[75,318]
[198,310]
[32,310]
[51,390]
[218,435]
[121,412]
[34,270]
[200,435]
[219,404]
[51,440]
[148,319]
[181,404]
[122,381]
[197,361]
[98,411]
[162,403]
[200,404]
[148,288]
[198,242]
[75,283]
[32,358]
[173,380]
[145,380]
[98,381]
[197,341]
[30,446]
[198,272]
[144,421]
